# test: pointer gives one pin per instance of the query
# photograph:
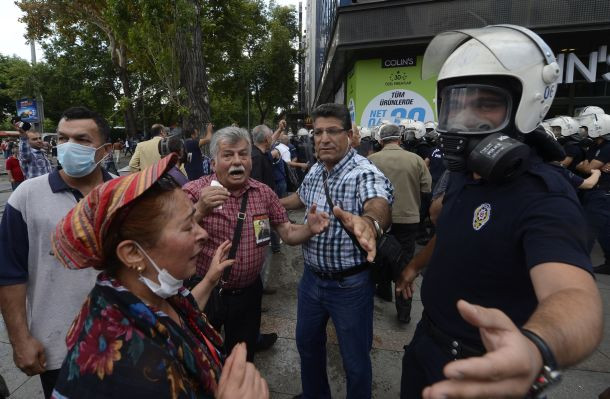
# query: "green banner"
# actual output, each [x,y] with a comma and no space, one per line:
[382,90]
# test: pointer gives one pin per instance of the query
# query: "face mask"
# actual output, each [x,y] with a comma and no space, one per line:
[495,157]
[168,284]
[77,160]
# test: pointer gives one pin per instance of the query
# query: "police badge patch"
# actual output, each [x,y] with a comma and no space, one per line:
[481,216]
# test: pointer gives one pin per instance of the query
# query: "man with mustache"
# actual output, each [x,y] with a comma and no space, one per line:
[336,281]
[218,198]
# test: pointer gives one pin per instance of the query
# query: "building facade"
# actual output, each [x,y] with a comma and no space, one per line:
[368,54]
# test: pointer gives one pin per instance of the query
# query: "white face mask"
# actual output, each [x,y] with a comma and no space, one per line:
[168,284]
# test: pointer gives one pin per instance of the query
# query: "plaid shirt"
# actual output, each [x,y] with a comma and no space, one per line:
[351,182]
[33,162]
[220,225]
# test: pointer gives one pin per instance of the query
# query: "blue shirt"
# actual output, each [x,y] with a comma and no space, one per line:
[489,236]
[33,162]
[351,182]
[194,163]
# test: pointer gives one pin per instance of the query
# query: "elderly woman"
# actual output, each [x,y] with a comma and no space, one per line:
[140,333]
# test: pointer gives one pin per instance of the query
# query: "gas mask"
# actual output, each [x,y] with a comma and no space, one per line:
[471,120]
[495,157]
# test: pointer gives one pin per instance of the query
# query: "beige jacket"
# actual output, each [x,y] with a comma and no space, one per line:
[409,176]
[146,154]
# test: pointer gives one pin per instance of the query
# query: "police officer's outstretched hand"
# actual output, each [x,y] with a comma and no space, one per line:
[404,284]
[508,369]
[362,229]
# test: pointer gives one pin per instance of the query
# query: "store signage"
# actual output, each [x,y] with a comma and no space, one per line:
[572,62]
[395,62]
[376,94]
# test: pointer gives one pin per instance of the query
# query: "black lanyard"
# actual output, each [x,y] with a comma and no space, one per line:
[241,216]
[332,205]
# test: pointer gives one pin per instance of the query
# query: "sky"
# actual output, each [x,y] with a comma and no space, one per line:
[12,41]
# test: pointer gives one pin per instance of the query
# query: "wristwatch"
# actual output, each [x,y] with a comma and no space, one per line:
[378,229]
[549,375]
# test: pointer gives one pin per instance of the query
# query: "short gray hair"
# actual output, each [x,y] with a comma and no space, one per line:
[389,132]
[260,133]
[231,135]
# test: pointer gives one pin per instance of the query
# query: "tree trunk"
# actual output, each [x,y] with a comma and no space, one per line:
[262,111]
[118,55]
[130,118]
[193,75]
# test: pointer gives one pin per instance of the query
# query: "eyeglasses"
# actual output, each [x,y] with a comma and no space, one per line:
[332,131]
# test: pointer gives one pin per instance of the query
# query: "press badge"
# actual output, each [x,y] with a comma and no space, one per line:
[262,229]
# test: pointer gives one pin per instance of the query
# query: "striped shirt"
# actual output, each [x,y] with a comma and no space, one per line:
[351,182]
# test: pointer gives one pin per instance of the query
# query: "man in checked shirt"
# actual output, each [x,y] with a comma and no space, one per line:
[336,281]
[32,157]
[238,307]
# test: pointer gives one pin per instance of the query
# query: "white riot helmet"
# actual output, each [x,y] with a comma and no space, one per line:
[413,128]
[430,125]
[548,130]
[365,132]
[563,126]
[302,132]
[601,127]
[589,125]
[588,110]
[498,65]
[431,133]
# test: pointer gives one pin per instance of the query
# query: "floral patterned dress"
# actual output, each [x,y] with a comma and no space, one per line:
[120,347]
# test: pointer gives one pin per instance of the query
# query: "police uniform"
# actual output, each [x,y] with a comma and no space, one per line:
[597,202]
[489,236]
[576,152]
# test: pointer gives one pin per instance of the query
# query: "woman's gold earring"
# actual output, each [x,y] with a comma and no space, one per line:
[140,269]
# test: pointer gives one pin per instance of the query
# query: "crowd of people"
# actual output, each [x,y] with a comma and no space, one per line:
[121,286]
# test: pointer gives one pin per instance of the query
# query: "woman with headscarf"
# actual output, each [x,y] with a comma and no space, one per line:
[140,333]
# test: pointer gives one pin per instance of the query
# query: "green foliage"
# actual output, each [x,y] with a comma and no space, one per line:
[246,45]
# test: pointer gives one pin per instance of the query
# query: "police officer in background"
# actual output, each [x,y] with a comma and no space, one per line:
[597,201]
[505,282]
[574,143]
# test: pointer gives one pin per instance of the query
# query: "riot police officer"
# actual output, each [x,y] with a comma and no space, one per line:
[505,282]
[570,135]
[597,201]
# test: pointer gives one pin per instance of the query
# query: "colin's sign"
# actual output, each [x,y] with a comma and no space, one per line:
[399,61]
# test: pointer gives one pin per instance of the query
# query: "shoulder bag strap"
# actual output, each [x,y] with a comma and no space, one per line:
[241,216]
[332,205]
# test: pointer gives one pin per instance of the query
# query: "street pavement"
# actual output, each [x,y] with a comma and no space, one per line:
[280,364]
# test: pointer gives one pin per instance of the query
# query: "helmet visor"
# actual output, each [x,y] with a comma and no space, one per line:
[474,109]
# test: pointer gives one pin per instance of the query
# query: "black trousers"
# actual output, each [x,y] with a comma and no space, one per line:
[48,379]
[422,364]
[240,315]
[405,234]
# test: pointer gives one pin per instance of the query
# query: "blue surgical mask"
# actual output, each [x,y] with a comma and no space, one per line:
[77,160]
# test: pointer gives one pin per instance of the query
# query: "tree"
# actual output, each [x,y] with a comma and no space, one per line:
[272,62]
[15,82]
[78,71]
[47,17]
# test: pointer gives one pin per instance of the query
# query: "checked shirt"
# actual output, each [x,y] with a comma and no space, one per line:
[351,182]
[220,225]
[33,162]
